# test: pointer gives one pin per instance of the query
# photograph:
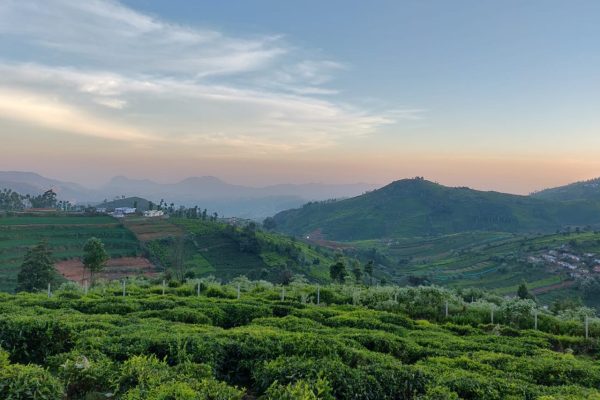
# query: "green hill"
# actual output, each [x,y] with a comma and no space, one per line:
[199,247]
[416,207]
[585,190]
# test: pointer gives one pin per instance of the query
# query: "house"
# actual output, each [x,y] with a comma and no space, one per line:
[125,210]
[101,210]
[154,213]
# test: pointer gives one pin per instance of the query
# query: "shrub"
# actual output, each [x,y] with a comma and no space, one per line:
[25,382]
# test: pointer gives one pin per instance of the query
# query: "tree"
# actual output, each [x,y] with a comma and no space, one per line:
[94,257]
[37,269]
[46,200]
[356,271]
[338,272]
[269,223]
[369,270]
[523,291]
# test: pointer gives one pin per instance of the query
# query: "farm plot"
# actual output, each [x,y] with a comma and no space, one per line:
[65,235]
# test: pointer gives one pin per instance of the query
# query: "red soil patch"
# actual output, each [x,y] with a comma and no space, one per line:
[116,268]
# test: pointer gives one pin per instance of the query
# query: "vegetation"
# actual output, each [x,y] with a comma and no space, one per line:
[416,207]
[209,247]
[65,236]
[358,343]
[585,190]
[37,270]
[94,257]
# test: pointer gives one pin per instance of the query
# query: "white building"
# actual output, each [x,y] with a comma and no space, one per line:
[153,213]
[125,210]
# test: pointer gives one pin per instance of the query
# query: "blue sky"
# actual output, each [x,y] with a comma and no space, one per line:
[495,95]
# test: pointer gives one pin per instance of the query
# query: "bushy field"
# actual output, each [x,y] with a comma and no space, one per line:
[66,236]
[276,343]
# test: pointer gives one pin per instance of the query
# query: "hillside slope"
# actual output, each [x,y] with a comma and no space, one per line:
[416,207]
[585,190]
[214,248]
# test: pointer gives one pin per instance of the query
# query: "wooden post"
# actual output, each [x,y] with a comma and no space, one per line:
[318,294]
[492,315]
[446,308]
[198,290]
[164,285]
[124,288]
[238,291]
[49,290]
[587,327]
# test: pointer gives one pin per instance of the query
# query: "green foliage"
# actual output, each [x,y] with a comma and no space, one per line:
[94,256]
[393,343]
[416,207]
[37,270]
[26,382]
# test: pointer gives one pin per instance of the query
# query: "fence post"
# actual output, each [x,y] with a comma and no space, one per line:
[49,290]
[124,288]
[198,290]
[164,285]
[587,327]
[238,291]
[318,294]
[446,309]
[492,315]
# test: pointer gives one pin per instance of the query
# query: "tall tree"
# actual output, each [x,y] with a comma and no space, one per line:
[369,270]
[37,269]
[338,272]
[94,257]
[356,271]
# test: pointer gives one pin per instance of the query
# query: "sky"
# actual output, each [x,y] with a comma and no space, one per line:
[495,95]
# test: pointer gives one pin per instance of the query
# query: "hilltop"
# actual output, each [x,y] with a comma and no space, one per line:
[417,207]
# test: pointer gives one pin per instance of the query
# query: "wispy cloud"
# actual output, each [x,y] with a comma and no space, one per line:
[100,68]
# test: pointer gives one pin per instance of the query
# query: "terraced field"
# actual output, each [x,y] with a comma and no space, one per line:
[495,261]
[214,248]
[66,236]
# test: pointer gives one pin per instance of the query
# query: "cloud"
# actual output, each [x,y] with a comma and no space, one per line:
[102,69]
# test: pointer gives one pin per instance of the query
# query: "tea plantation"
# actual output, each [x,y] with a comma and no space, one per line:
[66,235]
[249,340]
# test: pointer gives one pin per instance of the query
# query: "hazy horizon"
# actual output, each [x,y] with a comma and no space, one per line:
[494,96]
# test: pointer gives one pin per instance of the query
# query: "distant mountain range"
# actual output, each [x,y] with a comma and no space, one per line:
[417,207]
[206,192]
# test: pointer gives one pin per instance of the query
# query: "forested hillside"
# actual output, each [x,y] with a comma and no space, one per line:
[585,190]
[416,207]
